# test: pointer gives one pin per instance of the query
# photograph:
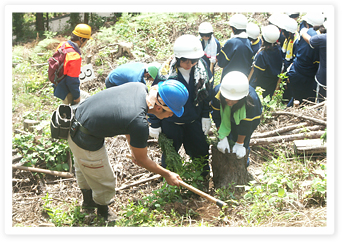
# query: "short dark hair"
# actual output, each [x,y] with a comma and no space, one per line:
[237,31]
[74,38]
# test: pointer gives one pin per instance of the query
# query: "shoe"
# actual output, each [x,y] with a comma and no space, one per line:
[88,203]
[105,212]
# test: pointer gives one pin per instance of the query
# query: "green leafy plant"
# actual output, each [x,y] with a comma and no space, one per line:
[42,151]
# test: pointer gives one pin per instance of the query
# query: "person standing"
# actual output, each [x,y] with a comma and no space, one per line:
[301,74]
[132,72]
[187,67]
[236,113]
[119,111]
[68,89]
[237,53]
[319,41]
[268,62]
[211,46]
[291,34]
[253,32]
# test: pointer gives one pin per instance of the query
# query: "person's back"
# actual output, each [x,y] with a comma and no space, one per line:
[111,112]
[307,59]
[130,72]
[236,54]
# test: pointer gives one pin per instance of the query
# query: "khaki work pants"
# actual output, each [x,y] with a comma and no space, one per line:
[93,171]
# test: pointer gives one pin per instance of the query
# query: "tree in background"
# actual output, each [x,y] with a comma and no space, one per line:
[74,19]
[18,25]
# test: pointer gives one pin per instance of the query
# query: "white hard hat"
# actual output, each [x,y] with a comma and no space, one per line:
[270,33]
[291,25]
[205,28]
[325,24]
[252,30]
[239,21]
[188,46]
[234,85]
[315,19]
[278,19]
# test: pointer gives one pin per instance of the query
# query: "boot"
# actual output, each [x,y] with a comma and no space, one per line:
[88,203]
[105,212]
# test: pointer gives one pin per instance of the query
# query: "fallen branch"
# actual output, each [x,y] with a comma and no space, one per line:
[317,105]
[277,131]
[33,169]
[139,182]
[305,129]
[285,138]
[300,116]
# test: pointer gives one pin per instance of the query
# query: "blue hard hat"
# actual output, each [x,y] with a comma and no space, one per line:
[174,95]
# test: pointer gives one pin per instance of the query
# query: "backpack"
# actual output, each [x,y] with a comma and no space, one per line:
[56,64]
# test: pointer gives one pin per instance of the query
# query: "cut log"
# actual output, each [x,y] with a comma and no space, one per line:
[278,131]
[54,173]
[312,146]
[305,129]
[319,121]
[228,171]
[285,138]
[139,182]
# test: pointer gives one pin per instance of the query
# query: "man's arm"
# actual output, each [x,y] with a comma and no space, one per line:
[141,159]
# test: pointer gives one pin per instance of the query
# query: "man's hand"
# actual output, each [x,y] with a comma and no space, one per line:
[172,179]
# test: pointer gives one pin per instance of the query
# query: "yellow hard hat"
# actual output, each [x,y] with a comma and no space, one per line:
[83,31]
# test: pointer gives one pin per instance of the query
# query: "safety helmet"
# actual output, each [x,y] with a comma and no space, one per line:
[293,14]
[270,33]
[238,21]
[188,46]
[315,19]
[205,28]
[152,69]
[291,25]
[83,31]
[174,95]
[253,30]
[234,85]
[278,19]
[325,24]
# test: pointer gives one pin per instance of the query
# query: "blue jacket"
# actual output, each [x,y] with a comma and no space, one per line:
[191,110]
[267,66]
[307,59]
[236,55]
[130,72]
[247,125]
[256,46]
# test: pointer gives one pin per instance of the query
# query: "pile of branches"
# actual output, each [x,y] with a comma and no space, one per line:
[308,121]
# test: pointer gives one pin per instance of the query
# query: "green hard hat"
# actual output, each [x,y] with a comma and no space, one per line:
[152,69]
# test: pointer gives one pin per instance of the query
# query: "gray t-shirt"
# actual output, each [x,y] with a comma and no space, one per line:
[114,111]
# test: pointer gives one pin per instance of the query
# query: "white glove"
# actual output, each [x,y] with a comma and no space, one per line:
[206,124]
[303,30]
[239,150]
[154,132]
[223,145]
[213,60]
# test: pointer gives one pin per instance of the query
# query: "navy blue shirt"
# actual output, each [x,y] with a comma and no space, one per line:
[320,42]
[246,125]
[236,55]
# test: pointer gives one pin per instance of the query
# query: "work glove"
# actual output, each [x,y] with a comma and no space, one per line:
[239,150]
[223,145]
[154,132]
[303,30]
[213,60]
[206,124]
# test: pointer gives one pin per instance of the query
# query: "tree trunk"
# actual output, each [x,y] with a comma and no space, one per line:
[39,22]
[86,18]
[18,25]
[47,21]
[228,171]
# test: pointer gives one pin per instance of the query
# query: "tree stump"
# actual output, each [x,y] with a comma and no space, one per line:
[228,171]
